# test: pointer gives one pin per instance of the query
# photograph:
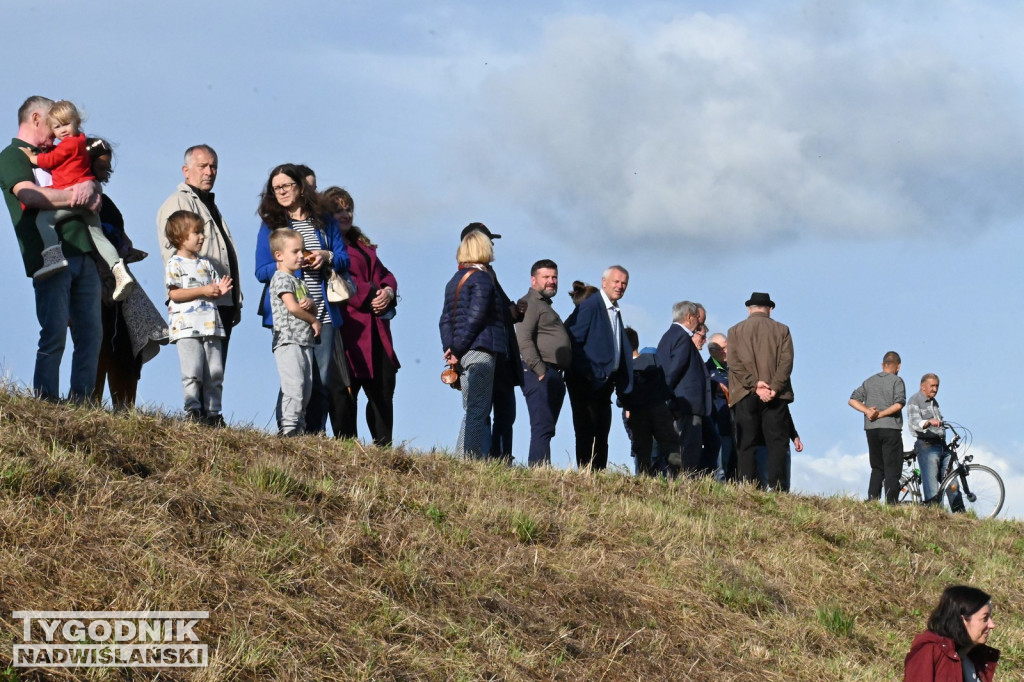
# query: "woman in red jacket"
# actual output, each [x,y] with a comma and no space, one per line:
[369,351]
[953,648]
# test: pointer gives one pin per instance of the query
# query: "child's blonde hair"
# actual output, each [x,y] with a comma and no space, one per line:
[64,112]
[281,235]
[180,225]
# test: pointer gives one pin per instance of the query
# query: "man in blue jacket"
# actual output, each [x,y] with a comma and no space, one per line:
[601,363]
[688,382]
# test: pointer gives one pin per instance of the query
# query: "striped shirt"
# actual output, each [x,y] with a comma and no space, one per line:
[314,279]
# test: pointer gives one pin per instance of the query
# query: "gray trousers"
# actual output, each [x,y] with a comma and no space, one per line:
[202,373]
[46,223]
[295,367]
[477,383]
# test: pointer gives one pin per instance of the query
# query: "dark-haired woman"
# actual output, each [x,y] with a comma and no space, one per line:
[369,350]
[953,648]
[133,329]
[289,201]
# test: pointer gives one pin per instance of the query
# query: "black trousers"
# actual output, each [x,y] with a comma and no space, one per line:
[649,424]
[503,402]
[592,420]
[118,365]
[757,423]
[380,397]
[885,453]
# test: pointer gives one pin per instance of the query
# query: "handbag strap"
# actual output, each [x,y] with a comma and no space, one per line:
[455,303]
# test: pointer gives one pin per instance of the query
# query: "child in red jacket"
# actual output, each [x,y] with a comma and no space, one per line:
[70,165]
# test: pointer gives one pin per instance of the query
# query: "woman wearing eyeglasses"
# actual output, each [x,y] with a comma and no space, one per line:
[289,201]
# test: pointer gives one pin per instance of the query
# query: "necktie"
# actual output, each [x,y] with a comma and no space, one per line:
[617,332]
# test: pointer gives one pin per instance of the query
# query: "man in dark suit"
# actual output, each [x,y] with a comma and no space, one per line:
[688,383]
[601,363]
[760,365]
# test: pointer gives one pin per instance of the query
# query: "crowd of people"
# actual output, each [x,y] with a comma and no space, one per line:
[327,297]
[329,300]
[720,417]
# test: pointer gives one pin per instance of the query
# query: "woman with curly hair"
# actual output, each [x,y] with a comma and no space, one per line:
[289,201]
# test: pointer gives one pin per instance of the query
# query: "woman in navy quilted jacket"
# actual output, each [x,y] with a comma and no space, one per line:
[473,338]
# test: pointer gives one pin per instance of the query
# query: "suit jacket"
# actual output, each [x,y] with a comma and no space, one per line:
[760,349]
[685,373]
[593,346]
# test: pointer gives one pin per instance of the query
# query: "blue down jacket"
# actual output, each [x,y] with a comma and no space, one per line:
[478,323]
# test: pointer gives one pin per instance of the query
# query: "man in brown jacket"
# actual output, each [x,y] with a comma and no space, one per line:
[760,364]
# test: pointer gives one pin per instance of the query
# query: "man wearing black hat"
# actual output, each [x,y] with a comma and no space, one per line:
[760,365]
[507,374]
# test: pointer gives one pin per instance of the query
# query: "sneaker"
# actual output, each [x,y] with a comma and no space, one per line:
[194,417]
[123,281]
[215,421]
[53,262]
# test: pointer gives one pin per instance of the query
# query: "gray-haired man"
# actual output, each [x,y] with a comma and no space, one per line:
[196,195]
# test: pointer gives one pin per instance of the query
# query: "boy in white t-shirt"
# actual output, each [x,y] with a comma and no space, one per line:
[194,321]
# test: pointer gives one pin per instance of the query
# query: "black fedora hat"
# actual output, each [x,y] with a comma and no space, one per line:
[478,227]
[761,299]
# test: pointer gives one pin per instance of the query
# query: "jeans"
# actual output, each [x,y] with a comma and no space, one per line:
[477,386]
[933,459]
[72,296]
[320,399]
[544,401]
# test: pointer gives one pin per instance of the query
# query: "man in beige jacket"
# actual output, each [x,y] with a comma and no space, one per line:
[760,364]
[196,195]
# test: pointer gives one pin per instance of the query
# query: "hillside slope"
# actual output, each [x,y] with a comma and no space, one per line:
[320,559]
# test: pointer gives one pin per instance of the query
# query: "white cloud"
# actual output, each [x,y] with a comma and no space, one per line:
[836,472]
[719,128]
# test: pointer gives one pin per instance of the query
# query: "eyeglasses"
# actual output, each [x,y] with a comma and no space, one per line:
[281,189]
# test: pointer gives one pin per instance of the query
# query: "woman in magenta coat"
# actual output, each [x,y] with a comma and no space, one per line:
[953,648]
[369,351]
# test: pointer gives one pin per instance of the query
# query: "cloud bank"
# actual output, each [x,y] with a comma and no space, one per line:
[727,130]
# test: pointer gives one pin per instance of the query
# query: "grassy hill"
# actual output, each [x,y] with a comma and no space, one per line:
[328,560]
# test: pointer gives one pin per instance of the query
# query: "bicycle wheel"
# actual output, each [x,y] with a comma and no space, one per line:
[980,491]
[910,489]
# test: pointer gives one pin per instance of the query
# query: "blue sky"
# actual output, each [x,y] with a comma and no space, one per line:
[860,163]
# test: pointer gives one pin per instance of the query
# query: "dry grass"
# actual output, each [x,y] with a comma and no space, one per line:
[325,560]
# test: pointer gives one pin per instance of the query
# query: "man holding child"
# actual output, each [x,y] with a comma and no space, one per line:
[71,296]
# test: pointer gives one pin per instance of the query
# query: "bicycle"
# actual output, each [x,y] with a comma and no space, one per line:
[965,487]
